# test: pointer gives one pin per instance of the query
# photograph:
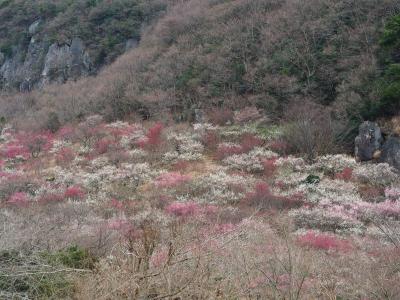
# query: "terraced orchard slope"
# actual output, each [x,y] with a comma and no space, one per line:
[53,41]
[145,211]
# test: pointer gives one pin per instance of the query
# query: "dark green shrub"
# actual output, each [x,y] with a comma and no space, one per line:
[391,35]
[312,179]
[72,257]
[53,122]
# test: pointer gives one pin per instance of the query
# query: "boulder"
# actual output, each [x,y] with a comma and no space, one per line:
[391,152]
[368,142]
[199,116]
[131,44]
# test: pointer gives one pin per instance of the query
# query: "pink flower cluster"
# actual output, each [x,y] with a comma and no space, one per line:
[389,209]
[50,198]
[65,156]
[210,140]
[19,199]
[114,203]
[392,194]
[104,145]
[171,179]
[269,167]
[186,209]
[74,192]
[279,146]
[224,228]
[66,132]
[119,224]
[12,150]
[248,142]
[37,142]
[323,242]
[120,131]
[159,258]
[125,228]
[225,150]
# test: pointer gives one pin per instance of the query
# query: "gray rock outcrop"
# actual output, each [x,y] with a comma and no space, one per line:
[40,63]
[368,141]
[391,152]
[65,62]
[34,27]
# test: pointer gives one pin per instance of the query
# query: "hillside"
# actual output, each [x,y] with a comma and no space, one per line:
[238,53]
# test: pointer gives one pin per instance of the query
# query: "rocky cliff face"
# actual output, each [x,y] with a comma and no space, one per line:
[41,63]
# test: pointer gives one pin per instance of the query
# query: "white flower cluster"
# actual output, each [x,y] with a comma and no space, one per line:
[140,172]
[236,131]
[7,134]
[244,162]
[330,191]
[99,162]
[188,148]
[250,162]
[220,187]
[291,163]
[99,178]
[333,163]
[293,180]
[376,174]
[118,125]
[84,149]
[137,154]
[201,128]
[128,141]
[174,156]
[326,220]
[263,153]
[58,145]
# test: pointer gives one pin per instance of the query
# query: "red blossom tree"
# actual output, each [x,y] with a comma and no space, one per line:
[171,179]
[345,175]
[153,139]
[183,209]
[269,167]
[65,156]
[18,199]
[263,198]
[74,193]
[249,142]
[323,242]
